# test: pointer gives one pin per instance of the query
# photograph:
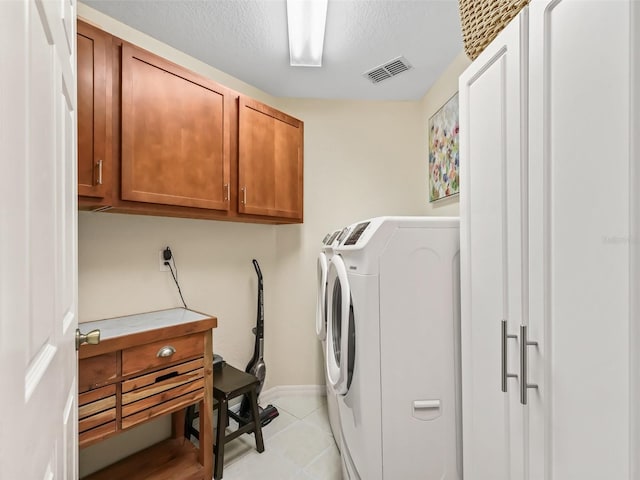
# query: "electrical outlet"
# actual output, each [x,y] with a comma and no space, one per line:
[163,267]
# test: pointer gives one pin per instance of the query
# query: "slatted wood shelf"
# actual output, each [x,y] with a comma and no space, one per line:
[168,460]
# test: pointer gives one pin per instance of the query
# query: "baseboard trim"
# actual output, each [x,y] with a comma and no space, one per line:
[269,395]
[272,393]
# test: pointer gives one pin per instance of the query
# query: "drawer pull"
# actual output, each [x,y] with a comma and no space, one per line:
[165,352]
[166,377]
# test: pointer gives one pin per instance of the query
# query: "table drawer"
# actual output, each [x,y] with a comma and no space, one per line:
[98,419]
[88,402]
[157,381]
[156,408]
[94,372]
[163,391]
[94,435]
[148,356]
[96,407]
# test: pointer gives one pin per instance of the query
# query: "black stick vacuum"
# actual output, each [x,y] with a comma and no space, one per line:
[256,365]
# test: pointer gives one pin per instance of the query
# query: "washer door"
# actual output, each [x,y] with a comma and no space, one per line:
[341,343]
[321,301]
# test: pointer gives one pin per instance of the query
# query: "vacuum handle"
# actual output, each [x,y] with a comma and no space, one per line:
[257,267]
[259,330]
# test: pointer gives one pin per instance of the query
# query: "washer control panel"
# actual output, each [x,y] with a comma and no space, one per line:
[328,240]
[343,234]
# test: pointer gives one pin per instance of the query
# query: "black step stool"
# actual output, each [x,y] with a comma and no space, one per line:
[229,383]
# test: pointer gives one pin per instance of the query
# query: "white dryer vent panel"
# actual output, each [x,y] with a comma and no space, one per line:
[388,70]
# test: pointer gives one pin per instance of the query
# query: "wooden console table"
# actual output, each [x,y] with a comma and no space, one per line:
[145,366]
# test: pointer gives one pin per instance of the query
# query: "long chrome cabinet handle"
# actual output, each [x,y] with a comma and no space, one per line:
[226,192]
[524,385]
[244,195]
[99,182]
[505,374]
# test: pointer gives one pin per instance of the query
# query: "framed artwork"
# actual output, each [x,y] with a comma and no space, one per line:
[444,151]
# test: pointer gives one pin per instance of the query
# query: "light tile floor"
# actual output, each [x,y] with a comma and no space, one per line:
[298,445]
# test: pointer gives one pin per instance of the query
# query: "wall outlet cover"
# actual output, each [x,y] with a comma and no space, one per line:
[163,267]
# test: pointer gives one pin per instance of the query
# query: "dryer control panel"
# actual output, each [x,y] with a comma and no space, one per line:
[356,234]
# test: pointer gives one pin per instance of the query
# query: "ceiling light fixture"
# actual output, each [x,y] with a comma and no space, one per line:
[306,20]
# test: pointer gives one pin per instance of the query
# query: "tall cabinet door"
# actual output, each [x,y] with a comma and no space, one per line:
[493,165]
[269,161]
[94,111]
[583,207]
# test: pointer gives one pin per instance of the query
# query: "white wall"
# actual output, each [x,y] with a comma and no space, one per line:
[119,271]
[362,159]
[118,258]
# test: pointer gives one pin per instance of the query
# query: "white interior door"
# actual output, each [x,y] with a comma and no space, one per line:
[38,225]
[492,164]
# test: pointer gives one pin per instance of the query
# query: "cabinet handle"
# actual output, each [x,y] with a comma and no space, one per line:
[99,182]
[166,352]
[503,355]
[524,385]
[226,192]
[244,195]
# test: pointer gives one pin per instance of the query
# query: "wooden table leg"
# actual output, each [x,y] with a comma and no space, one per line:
[205,455]
[177,424]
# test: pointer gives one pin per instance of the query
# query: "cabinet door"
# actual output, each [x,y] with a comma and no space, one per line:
[582,204]
[492,167]
[175,134]
[270,161]
[94,112]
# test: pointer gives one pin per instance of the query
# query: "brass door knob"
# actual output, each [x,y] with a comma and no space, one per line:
[91,338]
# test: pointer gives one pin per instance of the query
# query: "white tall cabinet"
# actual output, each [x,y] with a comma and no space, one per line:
[550,236]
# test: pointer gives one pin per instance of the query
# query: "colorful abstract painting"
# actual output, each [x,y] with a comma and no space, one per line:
[444,151]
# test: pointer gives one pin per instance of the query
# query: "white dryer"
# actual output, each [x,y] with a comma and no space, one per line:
[324,257]
[393,348]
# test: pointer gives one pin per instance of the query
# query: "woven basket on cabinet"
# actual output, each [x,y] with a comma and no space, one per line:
[482,20]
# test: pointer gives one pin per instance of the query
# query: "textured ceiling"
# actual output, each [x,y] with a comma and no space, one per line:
[248,40]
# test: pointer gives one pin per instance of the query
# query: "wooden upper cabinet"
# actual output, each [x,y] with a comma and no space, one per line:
[270,161]
[155,138]
[94,112]
[175,134]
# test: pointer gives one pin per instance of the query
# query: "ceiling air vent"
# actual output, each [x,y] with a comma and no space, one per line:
[388,70]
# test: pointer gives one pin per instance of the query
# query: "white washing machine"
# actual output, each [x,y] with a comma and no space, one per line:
[393,348]
[324,257]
